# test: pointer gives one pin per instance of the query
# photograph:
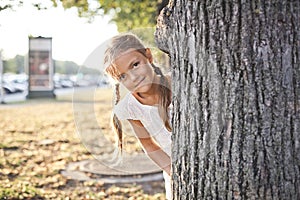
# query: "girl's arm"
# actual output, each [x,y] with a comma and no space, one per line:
[152,149]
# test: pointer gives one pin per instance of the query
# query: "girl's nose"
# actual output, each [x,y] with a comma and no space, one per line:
[133,76]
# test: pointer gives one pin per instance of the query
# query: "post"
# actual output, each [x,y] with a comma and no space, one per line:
[1,80]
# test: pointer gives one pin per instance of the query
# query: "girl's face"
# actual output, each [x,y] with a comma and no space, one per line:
[135,70]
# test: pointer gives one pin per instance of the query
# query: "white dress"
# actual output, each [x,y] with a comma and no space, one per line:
[130,108]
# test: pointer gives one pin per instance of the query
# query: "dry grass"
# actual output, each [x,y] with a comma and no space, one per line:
[39,138]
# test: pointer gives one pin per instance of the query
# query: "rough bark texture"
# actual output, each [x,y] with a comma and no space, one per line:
[236,97]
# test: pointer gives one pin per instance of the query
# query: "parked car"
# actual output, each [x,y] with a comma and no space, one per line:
[14,83]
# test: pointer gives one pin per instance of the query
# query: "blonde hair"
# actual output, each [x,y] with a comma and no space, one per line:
[118,45]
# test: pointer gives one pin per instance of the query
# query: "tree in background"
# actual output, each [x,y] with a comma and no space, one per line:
[236,98]
[133,14]
[130,15]
[15,65]
[9,4]
[127,15]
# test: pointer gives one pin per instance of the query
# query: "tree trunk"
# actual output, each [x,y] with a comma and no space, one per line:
[236,97]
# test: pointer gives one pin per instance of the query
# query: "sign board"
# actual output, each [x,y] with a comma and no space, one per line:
[41,68]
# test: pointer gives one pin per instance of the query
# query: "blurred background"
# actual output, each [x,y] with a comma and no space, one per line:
[74,37]
[76,28]
[48,144]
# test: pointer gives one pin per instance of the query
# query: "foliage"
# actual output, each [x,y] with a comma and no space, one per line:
[131,14]
[65,67]
[69,67]
[83,6]
[127,15]
[9,4]
[16,65]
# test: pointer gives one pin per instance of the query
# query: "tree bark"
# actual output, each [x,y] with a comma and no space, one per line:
[236,97]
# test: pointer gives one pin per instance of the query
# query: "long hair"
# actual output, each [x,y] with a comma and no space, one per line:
[118,45]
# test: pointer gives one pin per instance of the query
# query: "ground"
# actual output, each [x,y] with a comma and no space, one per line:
[38,138]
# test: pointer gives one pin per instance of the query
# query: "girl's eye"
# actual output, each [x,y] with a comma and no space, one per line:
[122,77]
[136,64]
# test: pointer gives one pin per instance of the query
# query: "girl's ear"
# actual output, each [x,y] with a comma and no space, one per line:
[149,55]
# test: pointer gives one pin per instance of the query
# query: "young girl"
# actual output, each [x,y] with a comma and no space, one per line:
[146,106]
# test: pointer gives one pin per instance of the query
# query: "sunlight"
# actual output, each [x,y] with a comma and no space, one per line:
[73,37]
